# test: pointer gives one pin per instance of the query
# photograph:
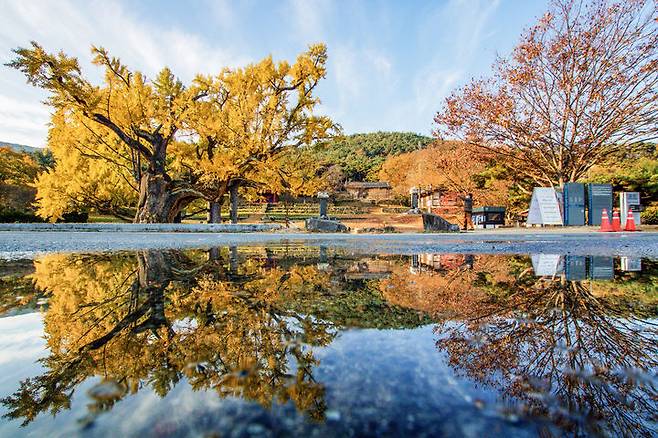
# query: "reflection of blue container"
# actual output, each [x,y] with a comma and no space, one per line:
[599,196]
[575,268]
[574,204]
[602,268]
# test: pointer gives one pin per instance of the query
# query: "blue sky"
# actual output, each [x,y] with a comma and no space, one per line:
[391,63]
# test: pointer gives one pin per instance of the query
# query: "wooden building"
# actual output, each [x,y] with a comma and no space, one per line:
[369,191]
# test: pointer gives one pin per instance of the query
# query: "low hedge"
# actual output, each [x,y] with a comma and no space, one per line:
[13,216]
[18,216]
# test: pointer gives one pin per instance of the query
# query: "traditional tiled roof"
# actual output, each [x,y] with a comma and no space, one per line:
[427,191]
[367,185]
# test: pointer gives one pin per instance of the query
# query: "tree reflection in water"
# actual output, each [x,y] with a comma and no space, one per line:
[579,357]
[238,327]
[157,317]
[559,350]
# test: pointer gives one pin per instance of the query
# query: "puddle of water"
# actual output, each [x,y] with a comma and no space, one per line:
[291,340]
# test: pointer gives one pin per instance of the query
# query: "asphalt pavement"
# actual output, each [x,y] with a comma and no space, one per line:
[17,244]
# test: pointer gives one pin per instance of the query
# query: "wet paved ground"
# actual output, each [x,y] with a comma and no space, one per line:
[645,244]
[321,341]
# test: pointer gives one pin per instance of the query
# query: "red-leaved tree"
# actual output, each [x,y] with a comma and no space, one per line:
[581,83]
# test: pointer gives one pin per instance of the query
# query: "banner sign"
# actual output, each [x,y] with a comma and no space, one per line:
[629,201]
[631,264]
[544,207]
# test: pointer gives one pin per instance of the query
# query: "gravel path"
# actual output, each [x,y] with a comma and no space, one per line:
[15,244]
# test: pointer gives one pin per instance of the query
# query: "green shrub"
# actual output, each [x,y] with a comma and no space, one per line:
[11,215]
[650,216]
[75,217]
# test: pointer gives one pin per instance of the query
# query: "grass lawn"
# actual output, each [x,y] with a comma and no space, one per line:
[100,218]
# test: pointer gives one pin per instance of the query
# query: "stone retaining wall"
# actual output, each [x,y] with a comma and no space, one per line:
[433,222]
[141,228]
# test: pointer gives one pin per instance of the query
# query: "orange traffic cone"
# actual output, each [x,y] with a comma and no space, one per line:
[616,221]
[630,222]
[605,222]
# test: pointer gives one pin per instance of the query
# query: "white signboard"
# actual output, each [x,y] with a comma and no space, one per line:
[544,207]
[626,201]
[546,264]
[630,264]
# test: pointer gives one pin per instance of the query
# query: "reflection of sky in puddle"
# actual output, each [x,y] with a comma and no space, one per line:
[300,340]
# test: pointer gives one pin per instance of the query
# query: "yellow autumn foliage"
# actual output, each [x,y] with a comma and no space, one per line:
[91,171]
[157,145]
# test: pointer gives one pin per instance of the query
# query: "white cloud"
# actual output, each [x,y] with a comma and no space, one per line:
[359,77]
[347,73]
[390,64]
[223,13]
[73,27]
[380,62]
[24,127]
[457,31]
[431,86]
[374,90]
[310,17]
[21,338]
[471,18]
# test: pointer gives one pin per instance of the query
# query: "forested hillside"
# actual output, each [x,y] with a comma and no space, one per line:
[19,147]
[359,157]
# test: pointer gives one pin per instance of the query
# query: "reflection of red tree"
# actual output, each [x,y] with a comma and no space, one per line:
[440,262]
[563,351]
[560,352]
[452,261]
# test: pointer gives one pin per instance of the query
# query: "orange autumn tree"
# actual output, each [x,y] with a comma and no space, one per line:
[554,349]
[453,166]
[447,292]
[581,84]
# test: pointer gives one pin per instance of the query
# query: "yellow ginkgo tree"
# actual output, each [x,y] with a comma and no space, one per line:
[172,143]
[256,116]
[92,171]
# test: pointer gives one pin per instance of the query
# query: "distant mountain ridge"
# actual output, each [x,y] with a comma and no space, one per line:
[19,147]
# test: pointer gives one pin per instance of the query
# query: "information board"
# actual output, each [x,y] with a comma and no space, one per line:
[575,268]
[544,207]
[599,196]
[602,268]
